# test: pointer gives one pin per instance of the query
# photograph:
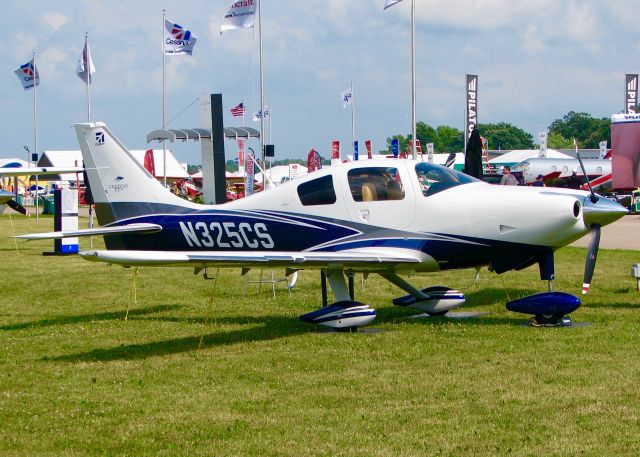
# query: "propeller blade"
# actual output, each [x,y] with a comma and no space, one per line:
[14,205]
[592,255]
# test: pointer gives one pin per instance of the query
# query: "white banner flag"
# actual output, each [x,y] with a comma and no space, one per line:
[346,96]
[27,73]
[258,115]
[177,40]
[389,3]
[85,65]
[543,144]
[241,15]
[603,149]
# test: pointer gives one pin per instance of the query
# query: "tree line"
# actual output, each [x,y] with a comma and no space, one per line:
[587,130]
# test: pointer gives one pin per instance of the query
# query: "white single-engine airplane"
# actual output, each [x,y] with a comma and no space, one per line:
[389,217]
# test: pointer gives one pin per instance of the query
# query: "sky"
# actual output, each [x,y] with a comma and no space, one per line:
[536,60]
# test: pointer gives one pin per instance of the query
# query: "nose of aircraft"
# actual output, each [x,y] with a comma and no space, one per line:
[601,212]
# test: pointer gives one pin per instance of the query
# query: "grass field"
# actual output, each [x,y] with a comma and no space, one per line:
[238,374]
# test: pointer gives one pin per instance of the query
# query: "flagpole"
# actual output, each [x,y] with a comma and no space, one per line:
[261,88]
[164,100]
[269,111]
[87,68]
[35,126]
[353,124]
[413,79]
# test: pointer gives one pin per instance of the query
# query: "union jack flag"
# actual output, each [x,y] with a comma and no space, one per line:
[238,110]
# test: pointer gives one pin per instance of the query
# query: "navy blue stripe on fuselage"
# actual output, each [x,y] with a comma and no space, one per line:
[264,231]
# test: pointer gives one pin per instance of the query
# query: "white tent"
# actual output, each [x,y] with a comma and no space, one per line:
[283,173]
[74,158]
[174,169]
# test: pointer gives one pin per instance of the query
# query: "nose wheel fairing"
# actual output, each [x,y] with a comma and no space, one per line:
[549,309]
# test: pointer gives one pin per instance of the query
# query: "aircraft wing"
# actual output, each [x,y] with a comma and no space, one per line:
[120,229]
[29,171]
[304,259]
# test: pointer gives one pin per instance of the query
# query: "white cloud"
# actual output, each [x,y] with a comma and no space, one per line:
[55,20]
[583,26]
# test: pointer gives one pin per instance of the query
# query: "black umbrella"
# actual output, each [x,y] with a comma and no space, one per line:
[473,155]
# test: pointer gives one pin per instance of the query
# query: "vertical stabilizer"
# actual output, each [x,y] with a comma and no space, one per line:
[121,187]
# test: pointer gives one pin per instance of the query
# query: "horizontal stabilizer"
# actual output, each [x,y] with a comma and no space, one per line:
[114,230]
[39,171]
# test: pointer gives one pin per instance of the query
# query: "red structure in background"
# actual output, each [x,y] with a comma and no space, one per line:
[625,151]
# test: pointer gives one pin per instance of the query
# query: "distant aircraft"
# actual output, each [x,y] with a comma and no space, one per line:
[14,172]
[561,168]
[390,217]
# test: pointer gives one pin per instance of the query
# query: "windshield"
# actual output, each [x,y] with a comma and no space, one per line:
[435,178]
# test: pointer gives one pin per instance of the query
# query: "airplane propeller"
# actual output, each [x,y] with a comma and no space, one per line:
[592,255]
[14,205]
[594,231]
[594,234]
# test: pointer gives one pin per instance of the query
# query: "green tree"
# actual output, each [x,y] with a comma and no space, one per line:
[505,136]
[587,130]
[450,139]
[426,134]
[402,144]
[555,140]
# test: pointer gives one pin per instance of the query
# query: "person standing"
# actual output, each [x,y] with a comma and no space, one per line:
[574,182]
[507,178]
[538,182]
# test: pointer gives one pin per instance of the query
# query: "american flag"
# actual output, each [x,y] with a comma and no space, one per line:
[238,110]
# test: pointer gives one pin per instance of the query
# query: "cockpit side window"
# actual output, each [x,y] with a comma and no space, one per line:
[375,184]
[435,178]
[317,191]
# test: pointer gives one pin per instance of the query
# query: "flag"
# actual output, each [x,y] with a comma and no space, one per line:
[603,150]
[257,116]
[177,40]
[241,15]
[238,110]
[389,3]
[85,65]
[346,97]
[27,73]
[314,162]
[367,144]
[451,160]
[335,150]
[250,174]
[150,162]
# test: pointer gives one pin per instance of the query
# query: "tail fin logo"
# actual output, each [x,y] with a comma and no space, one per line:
[99,138]
[118,185]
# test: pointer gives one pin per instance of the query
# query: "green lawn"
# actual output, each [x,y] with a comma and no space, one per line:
[239,374]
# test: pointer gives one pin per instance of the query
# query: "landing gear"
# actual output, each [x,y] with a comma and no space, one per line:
[552,320]
[345,314]
[435,301]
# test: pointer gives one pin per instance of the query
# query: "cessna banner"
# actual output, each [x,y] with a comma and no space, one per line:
[389,217]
